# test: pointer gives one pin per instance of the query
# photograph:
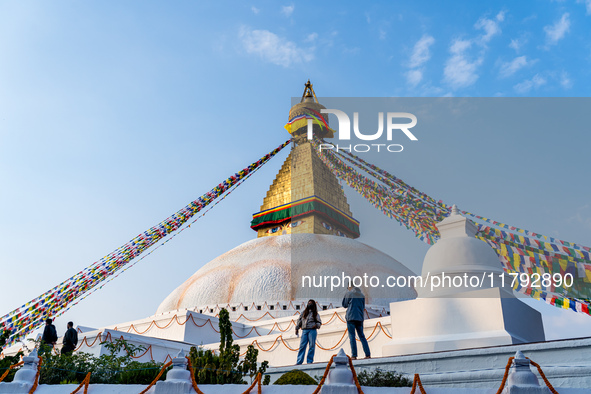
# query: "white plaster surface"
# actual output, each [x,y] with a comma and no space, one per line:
[270,269]
[468,320]
[566,363]
[239,389]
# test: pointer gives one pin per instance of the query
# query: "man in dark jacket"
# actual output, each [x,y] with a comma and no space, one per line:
[49,337]
[70,339]
[354,301]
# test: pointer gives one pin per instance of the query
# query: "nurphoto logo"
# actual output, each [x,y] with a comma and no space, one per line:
[344,131]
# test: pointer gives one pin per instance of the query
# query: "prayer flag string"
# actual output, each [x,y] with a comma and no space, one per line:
[57,300]
[520,251]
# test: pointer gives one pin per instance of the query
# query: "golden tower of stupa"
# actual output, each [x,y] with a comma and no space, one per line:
[305,196]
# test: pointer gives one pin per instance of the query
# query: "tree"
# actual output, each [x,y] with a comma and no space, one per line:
[225,367]
[4,335]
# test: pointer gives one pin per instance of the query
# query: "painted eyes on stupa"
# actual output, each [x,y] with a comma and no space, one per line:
[277,229]
[330,228]
[274,230]
[296,223]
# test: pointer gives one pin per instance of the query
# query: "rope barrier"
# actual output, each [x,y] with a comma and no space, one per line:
[325,375]
[37,376]
[339,343]
[359,390]
[193,382]
[256,380]
[417,382]
[543,376]
[5,374]
[335,346]
[505,375]
[168,364]
[84,383]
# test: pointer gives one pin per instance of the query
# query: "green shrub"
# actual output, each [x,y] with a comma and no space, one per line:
[141,373]
[6,362]
[225,366]
[380,378]
[296,377]
[107,369]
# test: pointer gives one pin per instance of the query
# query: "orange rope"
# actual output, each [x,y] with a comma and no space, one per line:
[384,331]
[37,376]
[505,375]
[543,376]
[417,382]
[5,374]
[193,382]
[325,375]
[84,383]
[335,346]
[287,346]
[255,381]
[359,390]
[168,364]
[339,343]
[85,340]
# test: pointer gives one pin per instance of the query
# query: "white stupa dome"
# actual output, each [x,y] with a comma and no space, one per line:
[458,251]
[459,254]
[270,269]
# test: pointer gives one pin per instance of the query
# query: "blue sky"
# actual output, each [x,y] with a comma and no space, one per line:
[115,115]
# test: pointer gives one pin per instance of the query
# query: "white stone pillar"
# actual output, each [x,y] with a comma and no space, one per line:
[522,380]
[24,377]
[178,379]
[340,378]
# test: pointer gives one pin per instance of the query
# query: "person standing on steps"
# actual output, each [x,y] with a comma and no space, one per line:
[309,322]
[49,337]
[70,339]
[354,301]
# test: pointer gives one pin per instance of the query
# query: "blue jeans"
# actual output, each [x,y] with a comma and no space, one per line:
[352,326]
[308,338]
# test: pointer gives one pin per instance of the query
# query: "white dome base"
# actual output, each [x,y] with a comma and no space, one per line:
[270,270]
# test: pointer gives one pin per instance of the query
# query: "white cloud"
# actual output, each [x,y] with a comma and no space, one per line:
[461,67]
[491,27]
[351,50]
[382,34]
[459,70]
[414,77]
[273,48]
[530,84]
[420,53]
[311,37]
[255,10]
[510,68]
[287,10]
[587,5]
[557,31]
[517,43]
[565,80]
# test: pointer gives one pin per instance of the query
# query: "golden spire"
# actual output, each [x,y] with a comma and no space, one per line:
[305,196]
